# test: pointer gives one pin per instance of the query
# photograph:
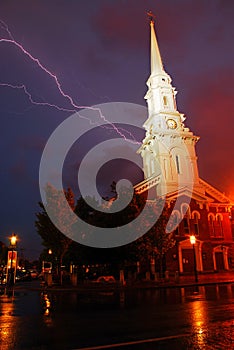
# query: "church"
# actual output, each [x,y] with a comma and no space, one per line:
[171,171]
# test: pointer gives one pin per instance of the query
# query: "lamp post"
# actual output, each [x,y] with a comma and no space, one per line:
[193,242]
[12,256]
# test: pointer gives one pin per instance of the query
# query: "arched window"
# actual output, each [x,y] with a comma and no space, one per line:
[146,169]
[219,231]
[152,166]
[177,159]
[176,220]
[219,217]
[196,216]
[165,168]
[211,219]
[195,224]
[185,211]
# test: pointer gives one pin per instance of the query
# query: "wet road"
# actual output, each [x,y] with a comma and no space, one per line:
[173,318]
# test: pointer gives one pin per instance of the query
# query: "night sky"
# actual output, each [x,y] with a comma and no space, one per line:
[99,50]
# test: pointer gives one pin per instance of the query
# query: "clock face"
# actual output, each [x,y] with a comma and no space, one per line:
[171,123]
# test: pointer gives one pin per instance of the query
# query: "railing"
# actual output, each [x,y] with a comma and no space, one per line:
[147,184]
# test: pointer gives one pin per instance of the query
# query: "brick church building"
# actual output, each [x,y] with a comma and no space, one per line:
[171,171]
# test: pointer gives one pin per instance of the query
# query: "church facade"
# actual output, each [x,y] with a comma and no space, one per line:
[170,169]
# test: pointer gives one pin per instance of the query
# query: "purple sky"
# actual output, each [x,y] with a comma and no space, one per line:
[100,52]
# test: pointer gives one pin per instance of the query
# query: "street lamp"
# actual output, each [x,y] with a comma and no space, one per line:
[13,240]
[12,256]
[193,242]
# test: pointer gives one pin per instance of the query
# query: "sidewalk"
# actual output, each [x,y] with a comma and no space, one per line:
[220,277]
[189,280]
[184,281]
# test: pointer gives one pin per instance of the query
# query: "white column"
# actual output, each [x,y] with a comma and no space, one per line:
[225,258]
[214,260]
[198,249]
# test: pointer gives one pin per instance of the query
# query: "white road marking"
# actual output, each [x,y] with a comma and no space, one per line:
[135,342]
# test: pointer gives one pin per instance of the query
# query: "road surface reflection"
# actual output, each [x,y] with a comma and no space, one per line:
[172,318]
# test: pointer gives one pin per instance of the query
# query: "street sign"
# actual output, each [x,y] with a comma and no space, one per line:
[12,259]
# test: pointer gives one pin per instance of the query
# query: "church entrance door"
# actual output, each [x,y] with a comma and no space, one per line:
[188,260]
[219,261]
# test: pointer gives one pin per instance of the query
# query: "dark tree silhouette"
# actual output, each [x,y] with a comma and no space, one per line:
[52,237]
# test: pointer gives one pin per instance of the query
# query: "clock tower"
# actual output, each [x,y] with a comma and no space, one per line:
[168,149]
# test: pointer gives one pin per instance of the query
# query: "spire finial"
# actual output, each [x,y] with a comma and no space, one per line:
[156,61]
[151,16]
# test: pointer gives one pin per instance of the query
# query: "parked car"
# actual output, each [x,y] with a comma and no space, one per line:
[106,279]
[34,274]
[23,275]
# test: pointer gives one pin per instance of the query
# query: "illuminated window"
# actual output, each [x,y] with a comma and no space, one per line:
[165,102]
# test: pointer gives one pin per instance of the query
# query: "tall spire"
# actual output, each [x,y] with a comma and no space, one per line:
[156,61]
[168,148]
[160,95]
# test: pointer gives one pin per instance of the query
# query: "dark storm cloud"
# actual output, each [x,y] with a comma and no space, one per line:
[117,27]
[19,171]
[32,143]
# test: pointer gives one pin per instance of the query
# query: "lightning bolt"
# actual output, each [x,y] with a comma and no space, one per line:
[47,104]
[4,26]
[23,88]
[53,76]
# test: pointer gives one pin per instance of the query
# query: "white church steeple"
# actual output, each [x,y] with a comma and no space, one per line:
[168,148]
[161,95]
